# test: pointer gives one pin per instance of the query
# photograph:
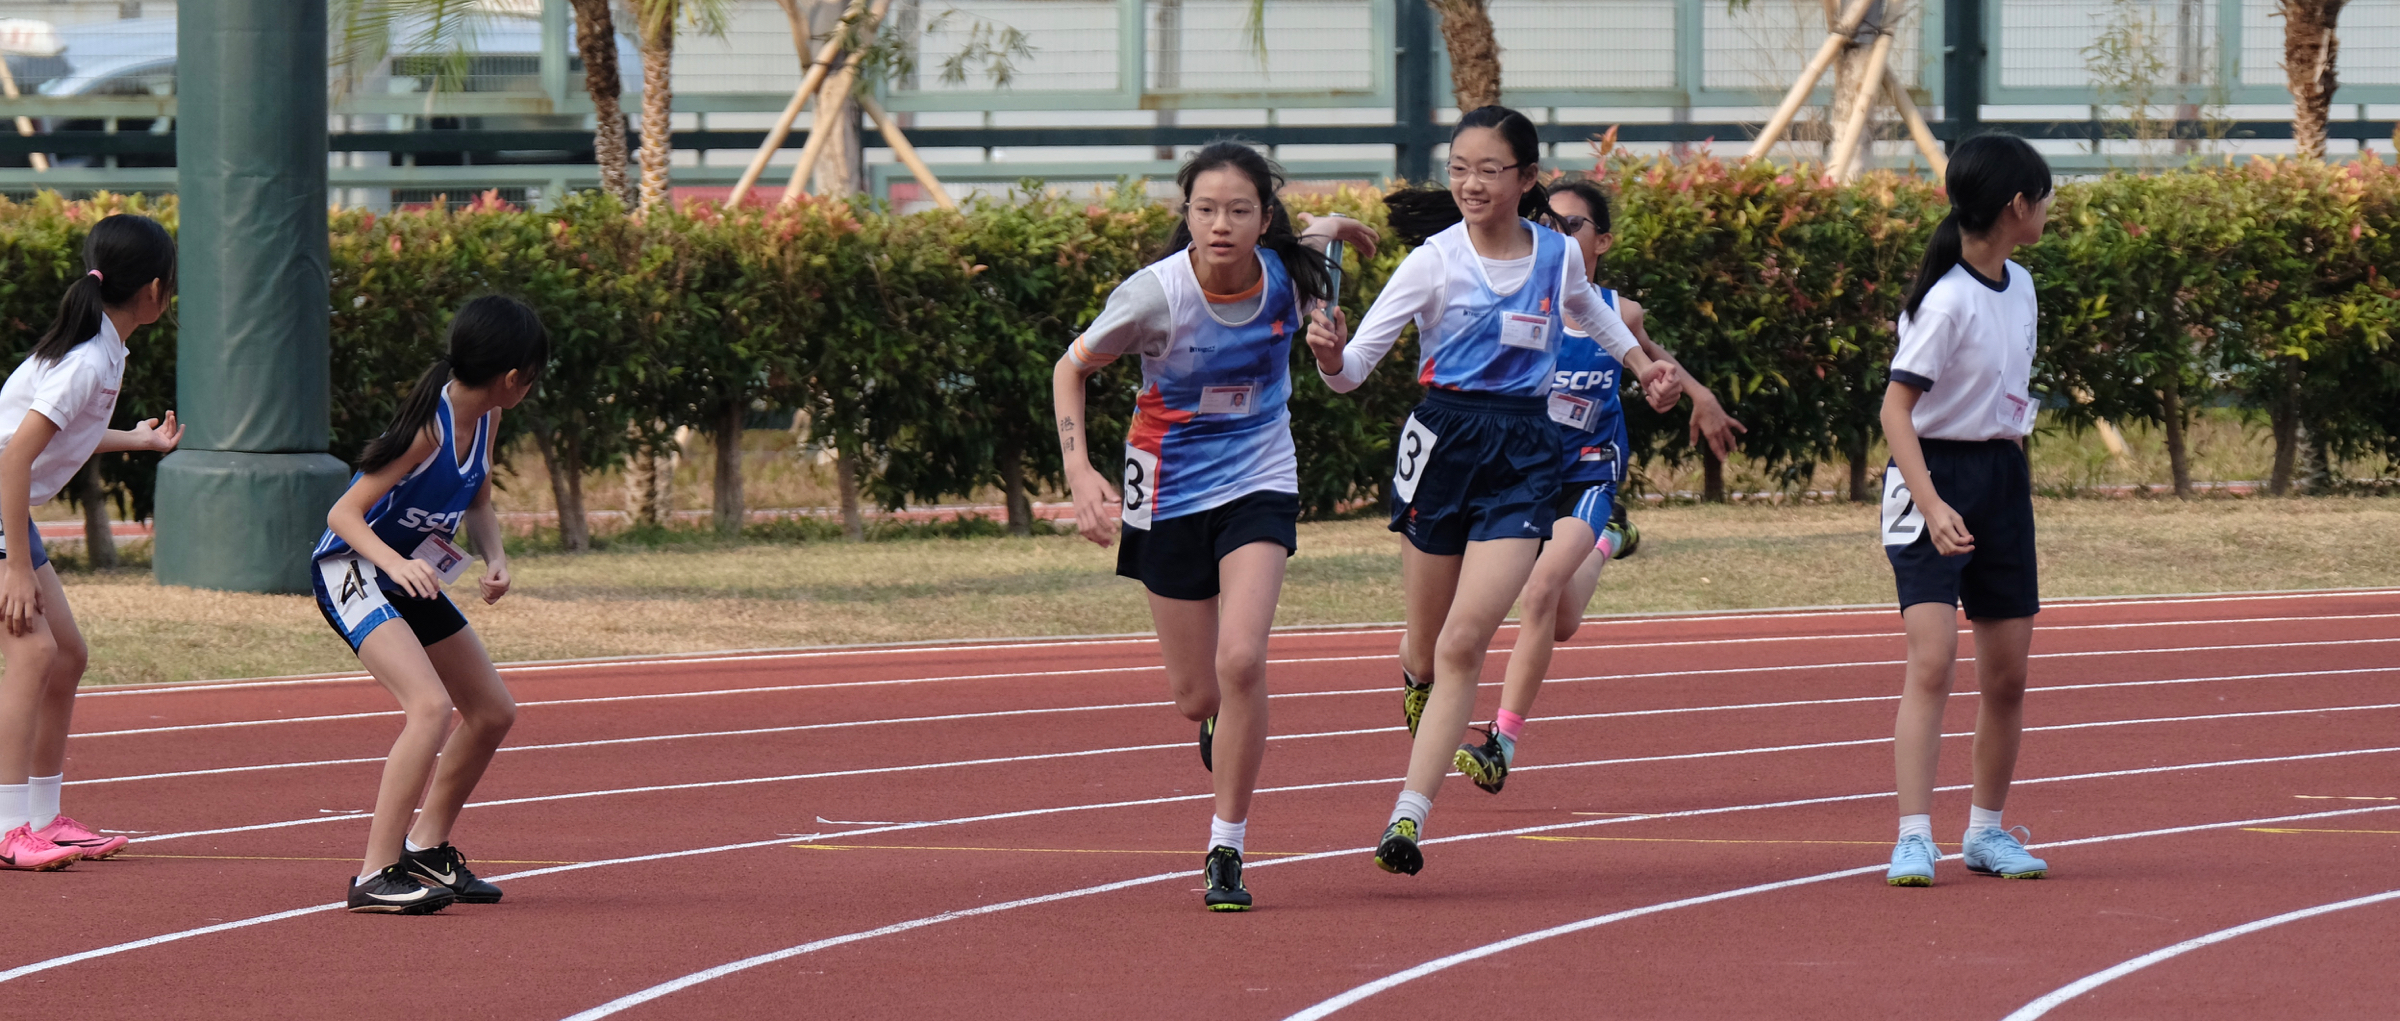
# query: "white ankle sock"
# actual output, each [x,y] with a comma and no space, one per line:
[1982,819]
[14,805]
[1413,807]
[411,844]
[42,799]
[1916,826]
[1227,834]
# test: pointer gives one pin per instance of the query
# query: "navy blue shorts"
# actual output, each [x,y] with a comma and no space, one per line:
[1177,557]
[351,596]
[1474,467]
[1592,503]
[41,553]
[1987,484]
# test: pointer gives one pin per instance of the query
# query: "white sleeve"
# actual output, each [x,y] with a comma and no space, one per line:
[65,388]
[1926,340]
[1136,319]
[1414,293]
[1584,304]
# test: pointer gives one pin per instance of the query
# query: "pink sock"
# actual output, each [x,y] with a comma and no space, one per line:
[1512,726]
[1606,548]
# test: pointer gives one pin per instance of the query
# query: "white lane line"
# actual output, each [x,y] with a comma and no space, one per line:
[1128,749]
[2169,650]
[1329,1006]
[756,731]
[2086,984]
[57,962]
[1309,631]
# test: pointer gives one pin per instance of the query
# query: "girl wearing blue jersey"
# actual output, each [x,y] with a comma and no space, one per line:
[54,415]
[1477,468]
[1212,489]
[1957,500]
[384,559]
[1593,452]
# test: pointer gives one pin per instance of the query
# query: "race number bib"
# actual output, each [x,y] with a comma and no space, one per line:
[1525,330]
[1902,521]
[1228,400]
[2012,412]
[446,560]
[350,580]
[1141,486]
[1573,412]
[1416,449]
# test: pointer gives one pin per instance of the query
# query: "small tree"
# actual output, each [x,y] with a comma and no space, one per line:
[2310,50]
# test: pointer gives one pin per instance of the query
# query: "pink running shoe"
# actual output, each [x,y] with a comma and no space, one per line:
[67,832]
[20,849]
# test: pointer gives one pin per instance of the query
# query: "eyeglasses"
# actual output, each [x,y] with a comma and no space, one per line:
[1236,214]
[1570,224]
[1487,173]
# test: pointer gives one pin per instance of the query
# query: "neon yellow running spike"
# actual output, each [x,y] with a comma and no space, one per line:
[1412,701]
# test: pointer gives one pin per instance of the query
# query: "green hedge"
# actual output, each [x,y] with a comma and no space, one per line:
[921,345]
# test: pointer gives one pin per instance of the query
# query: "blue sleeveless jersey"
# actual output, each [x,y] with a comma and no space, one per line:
[1592,438]
[1486,341]
[432,497]
[1210,424]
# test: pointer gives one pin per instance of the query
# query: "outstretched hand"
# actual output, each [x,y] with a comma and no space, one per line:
[157,434]
[1344,229]
[1662,385]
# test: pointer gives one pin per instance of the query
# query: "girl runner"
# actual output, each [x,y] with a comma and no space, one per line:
[385,557]
[1212,488]
[1478,466]
[1957,504]
[54,415]
[1586,534]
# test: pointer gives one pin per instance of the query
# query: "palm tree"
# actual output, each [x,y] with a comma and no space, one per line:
[596,41]
[1466,30]
[2309,51]
[658,21]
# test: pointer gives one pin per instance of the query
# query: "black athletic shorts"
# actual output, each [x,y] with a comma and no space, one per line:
[1177,557]
[1472,467]
[1987,484]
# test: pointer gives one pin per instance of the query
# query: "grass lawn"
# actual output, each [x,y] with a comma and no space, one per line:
[626,600]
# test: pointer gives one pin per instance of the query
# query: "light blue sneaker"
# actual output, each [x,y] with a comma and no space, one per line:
[1912,862]
[1998,852]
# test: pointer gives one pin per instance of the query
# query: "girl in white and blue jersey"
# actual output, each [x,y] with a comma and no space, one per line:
[1477,468]
[1211,497]
[54,416]
[1957,520]
[383,561]
[1587,530]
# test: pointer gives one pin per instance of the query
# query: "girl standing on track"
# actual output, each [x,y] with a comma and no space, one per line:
[1212,486]
[55,411]
[386,556]
[1588,531]
[1478,466]
[1957,502]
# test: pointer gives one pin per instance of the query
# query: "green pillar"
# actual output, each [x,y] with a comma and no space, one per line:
[240,504]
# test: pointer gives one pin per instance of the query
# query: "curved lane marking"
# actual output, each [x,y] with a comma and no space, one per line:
[107,951]
[662,989]
[2071,990]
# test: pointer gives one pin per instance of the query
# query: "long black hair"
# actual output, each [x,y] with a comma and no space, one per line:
[1594,198]
[489,336]
[1310,281]
[1420,213]
[1987,172]
[121,255]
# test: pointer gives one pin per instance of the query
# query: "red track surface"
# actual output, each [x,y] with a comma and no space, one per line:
[1662,767]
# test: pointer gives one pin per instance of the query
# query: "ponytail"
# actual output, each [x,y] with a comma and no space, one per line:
[1420,213]
[1311,280]
[121,256]
[489,337]
[1987,173]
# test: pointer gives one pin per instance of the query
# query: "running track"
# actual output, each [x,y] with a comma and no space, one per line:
[1006,830]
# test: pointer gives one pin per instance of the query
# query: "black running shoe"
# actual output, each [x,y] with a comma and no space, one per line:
[1412,700]
[1485,763]
[1208,744]
[1224,872]
[1398,853]
[446,868]
[394,891]
[1629,538]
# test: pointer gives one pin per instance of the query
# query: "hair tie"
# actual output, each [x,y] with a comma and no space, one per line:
[96,273]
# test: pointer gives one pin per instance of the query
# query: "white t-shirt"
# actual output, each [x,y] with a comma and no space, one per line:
[1419,290]
[77,393]
[1970,348]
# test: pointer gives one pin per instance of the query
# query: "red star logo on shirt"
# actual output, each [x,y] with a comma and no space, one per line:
[1279,327]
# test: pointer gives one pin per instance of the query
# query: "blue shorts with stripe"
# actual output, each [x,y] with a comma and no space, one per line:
[1592,503]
